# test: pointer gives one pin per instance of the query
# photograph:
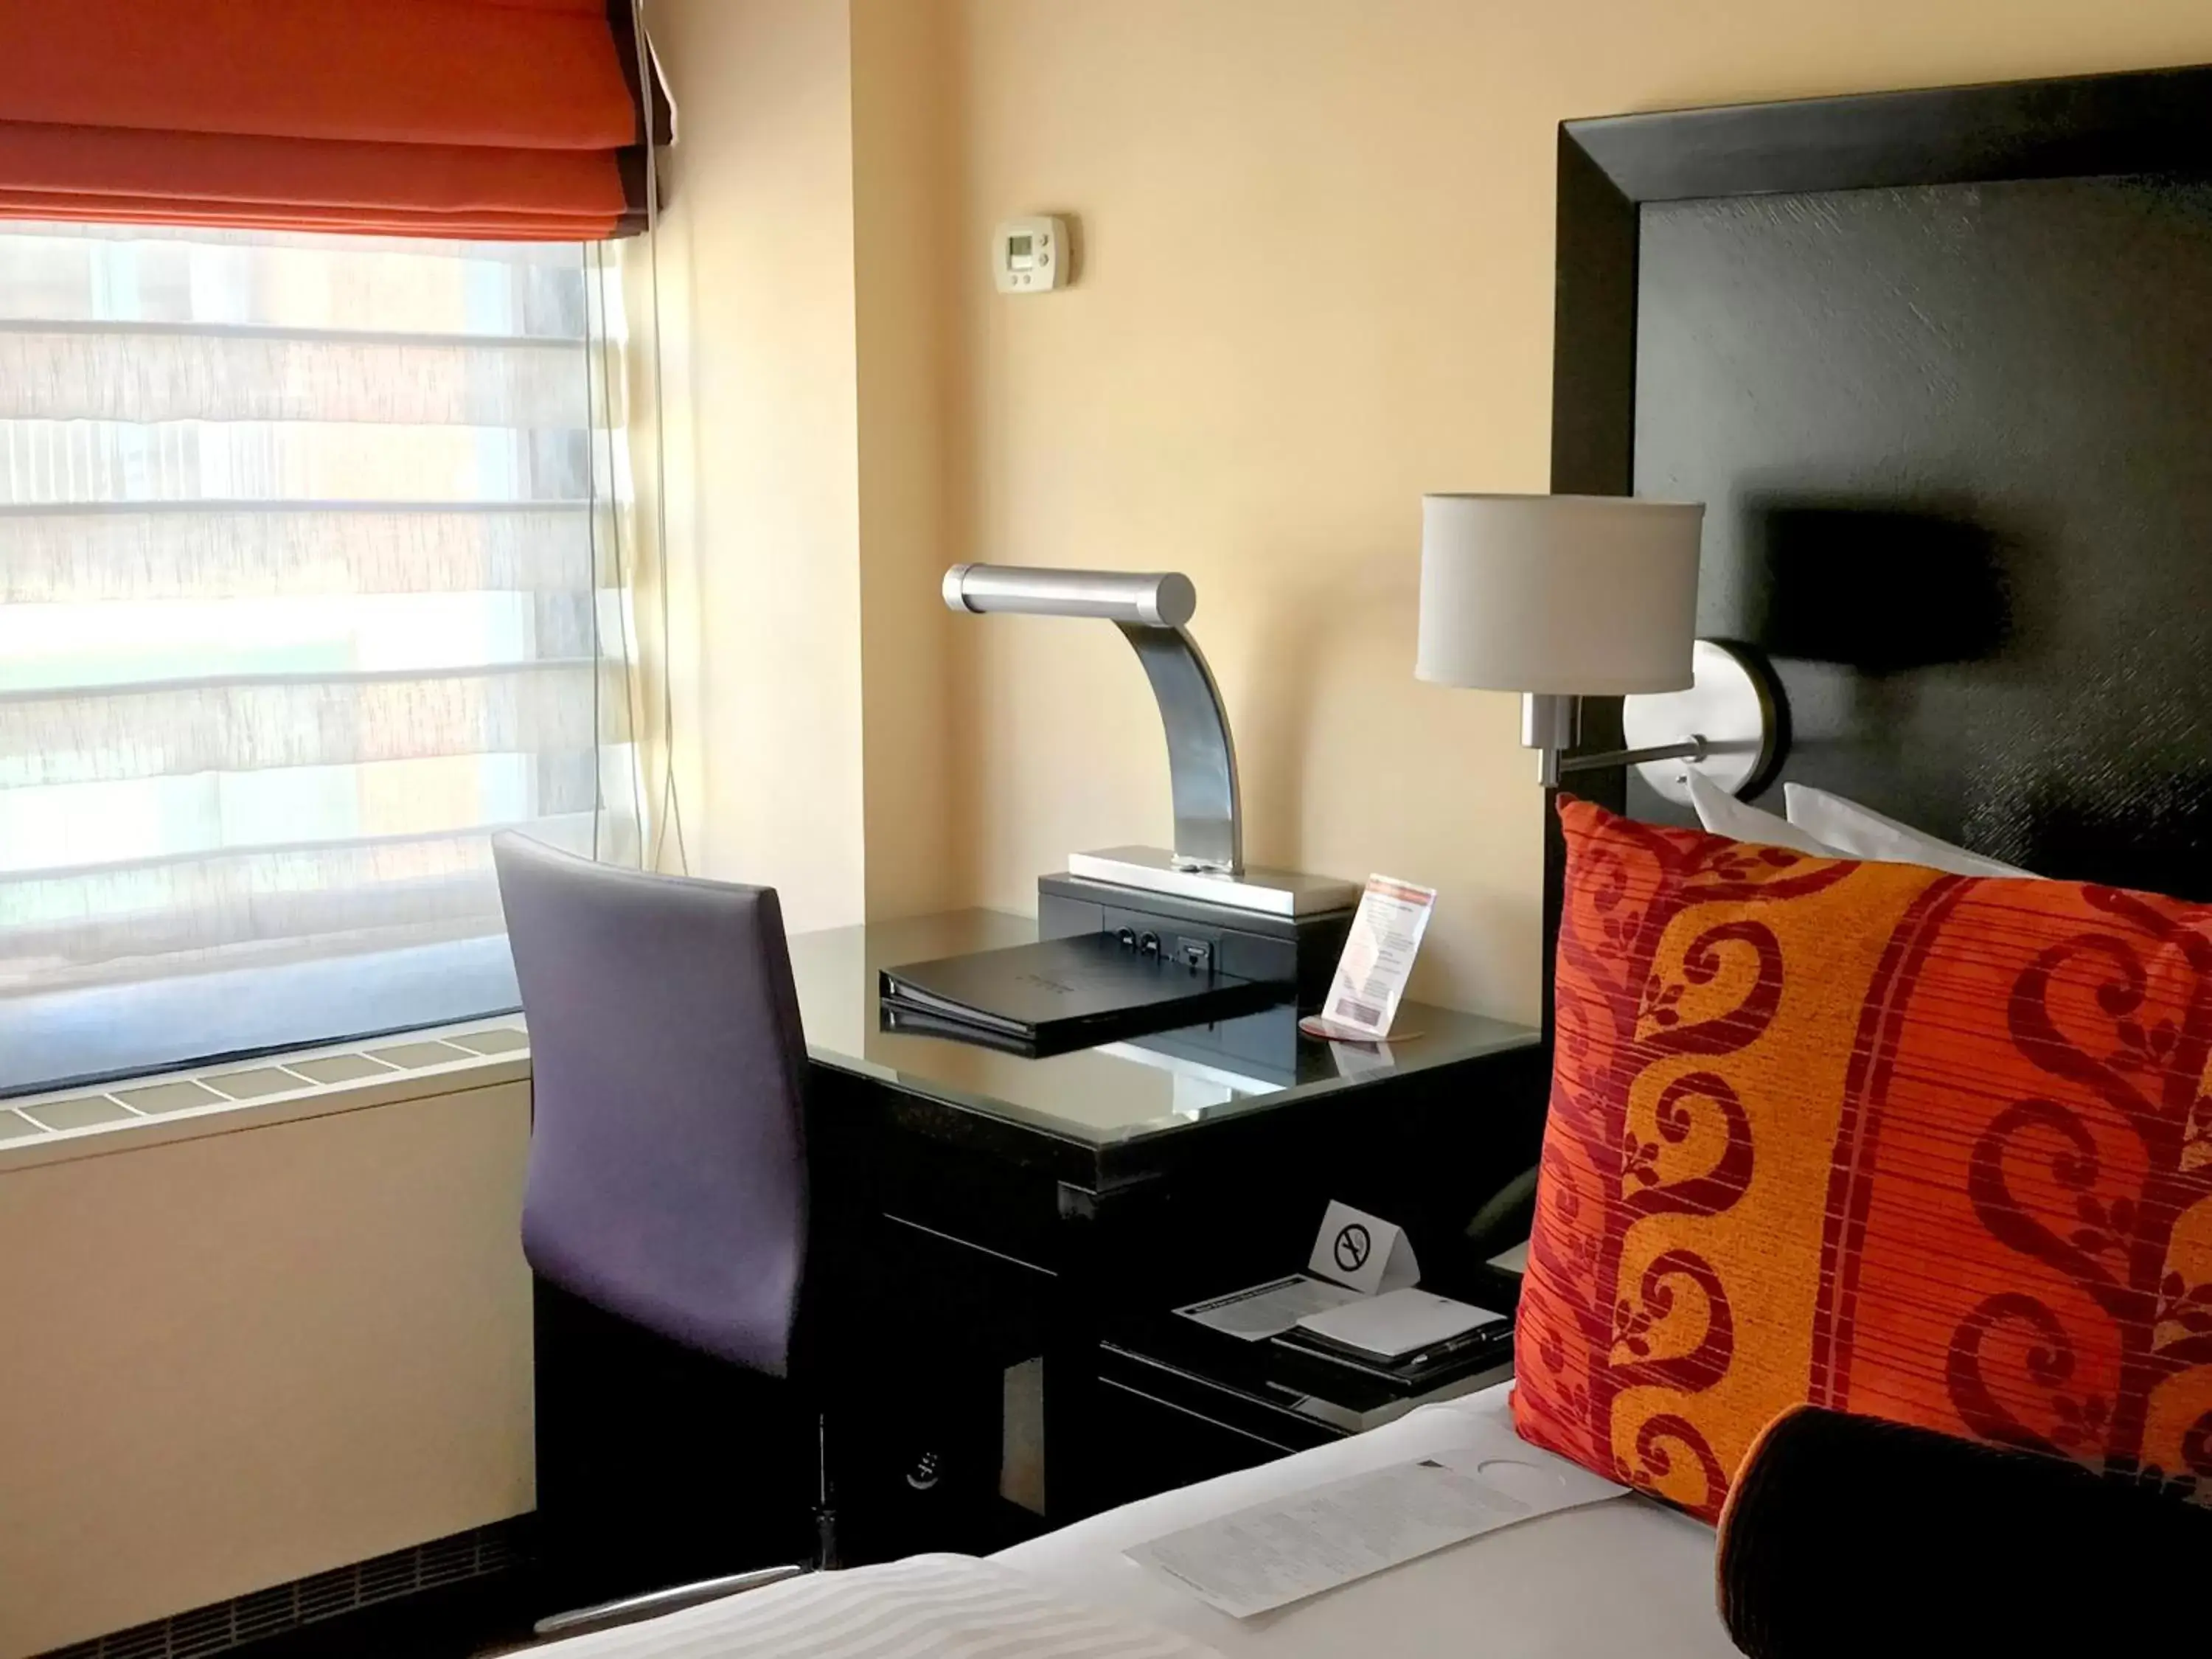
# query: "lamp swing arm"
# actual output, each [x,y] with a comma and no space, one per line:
[1551,725]
[1693,747]
[1149,608]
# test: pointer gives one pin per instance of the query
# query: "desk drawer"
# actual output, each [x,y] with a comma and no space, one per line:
[989,1202]
[949,1297]
[1148,1443]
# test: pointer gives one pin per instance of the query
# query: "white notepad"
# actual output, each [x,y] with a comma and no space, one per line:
[1267,1310]
[1398,1321]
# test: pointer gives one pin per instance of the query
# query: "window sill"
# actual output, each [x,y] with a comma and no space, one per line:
[188,1104]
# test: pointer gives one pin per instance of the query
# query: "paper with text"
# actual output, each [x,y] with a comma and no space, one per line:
[1256,1559]
[1378,957]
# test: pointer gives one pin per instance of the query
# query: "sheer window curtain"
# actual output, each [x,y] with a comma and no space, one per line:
[317,558]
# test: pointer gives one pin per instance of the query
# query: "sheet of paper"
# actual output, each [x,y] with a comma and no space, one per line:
[1268,1310]
[1378,957]
[1271,1554]
[1364,1251]
[1399,1321]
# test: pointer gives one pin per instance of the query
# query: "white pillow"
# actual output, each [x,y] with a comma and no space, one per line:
[1860,832]
[1723,814]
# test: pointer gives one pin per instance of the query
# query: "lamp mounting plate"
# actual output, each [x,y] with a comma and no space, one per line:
[1732,704]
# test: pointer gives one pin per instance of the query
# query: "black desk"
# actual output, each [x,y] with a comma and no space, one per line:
[1017,1208]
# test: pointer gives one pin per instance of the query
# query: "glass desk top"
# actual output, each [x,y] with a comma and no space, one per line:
[1109,1096]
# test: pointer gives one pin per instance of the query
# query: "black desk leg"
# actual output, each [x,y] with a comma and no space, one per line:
[1071,1361]
[1106,1263]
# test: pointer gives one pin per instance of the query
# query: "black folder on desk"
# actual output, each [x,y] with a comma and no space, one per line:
[1060,994]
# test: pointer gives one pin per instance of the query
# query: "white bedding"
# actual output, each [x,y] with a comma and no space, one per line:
[927,1607]
[1624,1578]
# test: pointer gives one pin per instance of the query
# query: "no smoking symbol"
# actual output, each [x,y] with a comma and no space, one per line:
[1353,1244]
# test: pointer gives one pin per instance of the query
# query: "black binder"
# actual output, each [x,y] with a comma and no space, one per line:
[1061,994]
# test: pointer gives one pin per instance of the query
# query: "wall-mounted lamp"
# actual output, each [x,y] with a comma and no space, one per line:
[1564,596]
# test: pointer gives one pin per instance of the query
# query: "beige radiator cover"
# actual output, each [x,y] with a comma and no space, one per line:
[234,1360]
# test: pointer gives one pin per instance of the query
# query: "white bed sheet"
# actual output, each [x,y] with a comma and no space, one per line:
[1625,1578]
[926,1606]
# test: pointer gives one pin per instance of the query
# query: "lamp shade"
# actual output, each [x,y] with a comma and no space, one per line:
[1567,595]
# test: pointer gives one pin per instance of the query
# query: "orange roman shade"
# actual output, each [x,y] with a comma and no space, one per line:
[507,119]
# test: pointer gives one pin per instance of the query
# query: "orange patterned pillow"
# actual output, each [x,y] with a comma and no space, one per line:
[1926,1147]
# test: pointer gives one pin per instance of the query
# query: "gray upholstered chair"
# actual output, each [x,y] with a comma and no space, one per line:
[668,1175]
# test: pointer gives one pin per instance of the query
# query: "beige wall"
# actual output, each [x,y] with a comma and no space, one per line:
[812,205]
[1317,283]
[762,425]
[906,225]
[233,1361]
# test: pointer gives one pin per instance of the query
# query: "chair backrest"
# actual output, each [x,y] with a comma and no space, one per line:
[667,1155]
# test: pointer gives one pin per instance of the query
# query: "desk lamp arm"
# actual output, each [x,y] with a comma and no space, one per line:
[1149,609]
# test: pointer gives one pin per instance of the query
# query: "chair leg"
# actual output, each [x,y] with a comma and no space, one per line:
[631,1608]
[825,1509]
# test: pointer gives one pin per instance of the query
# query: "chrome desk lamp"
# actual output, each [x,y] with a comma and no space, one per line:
[1151,609]
[1565,596]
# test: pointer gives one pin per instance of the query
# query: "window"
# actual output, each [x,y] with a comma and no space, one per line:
[310,579]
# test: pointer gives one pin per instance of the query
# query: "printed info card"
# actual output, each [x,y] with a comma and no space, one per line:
[1377,959]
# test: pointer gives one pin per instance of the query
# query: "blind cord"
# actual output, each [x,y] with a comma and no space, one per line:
[593,347]
[633,653]
[670,814]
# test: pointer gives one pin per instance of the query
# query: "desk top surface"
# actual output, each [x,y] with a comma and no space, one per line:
[1108,1095]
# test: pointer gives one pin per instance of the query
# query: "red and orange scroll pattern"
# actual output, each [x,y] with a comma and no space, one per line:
[1930,1147]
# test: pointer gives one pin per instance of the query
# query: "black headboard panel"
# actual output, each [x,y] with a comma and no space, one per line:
[1941,366]
[1956,443]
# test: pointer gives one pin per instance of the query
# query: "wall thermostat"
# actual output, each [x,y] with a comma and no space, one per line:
[1030,256]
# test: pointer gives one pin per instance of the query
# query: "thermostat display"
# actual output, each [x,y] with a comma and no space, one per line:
[1030,256]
